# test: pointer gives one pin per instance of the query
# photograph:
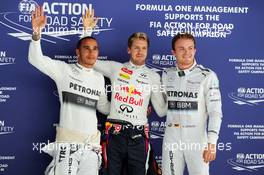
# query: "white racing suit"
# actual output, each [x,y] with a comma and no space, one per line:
[132,89]
[75,154]
[193,119]
[81,91]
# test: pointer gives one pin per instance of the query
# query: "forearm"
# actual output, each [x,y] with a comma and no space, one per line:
[159,103]
[103,105]
[35,52]
[214,124]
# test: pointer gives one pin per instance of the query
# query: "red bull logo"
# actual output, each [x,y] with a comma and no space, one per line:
[131,90]
[125,73]
[126,70]
[129,100]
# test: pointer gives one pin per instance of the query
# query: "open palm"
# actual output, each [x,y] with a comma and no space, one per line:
[89,21]
[39,20]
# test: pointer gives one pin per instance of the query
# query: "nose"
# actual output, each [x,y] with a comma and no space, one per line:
[140,50]
[185,51]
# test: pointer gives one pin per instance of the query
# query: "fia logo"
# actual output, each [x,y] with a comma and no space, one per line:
[251,96]
[27,6]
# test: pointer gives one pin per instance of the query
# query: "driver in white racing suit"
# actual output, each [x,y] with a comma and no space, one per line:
[194,112]
[81,90]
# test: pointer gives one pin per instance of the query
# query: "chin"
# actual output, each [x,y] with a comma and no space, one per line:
[140,63]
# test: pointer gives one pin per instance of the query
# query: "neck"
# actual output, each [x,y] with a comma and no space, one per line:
[184,67]
[87,66]
[136,64]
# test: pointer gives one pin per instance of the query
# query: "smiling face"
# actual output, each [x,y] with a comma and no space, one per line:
[87,52]
[183,48]
[138,51]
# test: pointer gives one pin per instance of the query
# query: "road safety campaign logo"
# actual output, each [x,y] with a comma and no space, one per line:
[6,93]
[4,160]
[6,129]
[251,96]
[5,59]
[251,162]
[157,129]
[63,20]
[159,62]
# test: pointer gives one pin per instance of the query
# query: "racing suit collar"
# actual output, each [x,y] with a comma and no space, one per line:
[84,68]
[133,66]
[186,71]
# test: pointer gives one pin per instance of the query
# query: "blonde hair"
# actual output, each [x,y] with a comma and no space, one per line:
[137,35]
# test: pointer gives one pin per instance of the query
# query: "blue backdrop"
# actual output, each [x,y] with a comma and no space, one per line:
[229,41]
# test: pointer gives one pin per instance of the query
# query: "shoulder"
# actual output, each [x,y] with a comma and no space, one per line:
[203,70]
[62,64]
[98,79]
[115,63]
[153,76]
[168,70]
[151,73]
[97,74]
[209,74]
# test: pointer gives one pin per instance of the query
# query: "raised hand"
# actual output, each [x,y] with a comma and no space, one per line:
[89,21]
[39,20]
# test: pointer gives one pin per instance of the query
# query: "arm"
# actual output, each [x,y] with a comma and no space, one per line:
[158,96]
[214,108]
[214,105]
[107,68]
[103,104]
[89,23]
[35,56]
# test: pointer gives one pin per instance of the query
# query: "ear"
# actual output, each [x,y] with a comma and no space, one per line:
[173,52]
[128,50]
[77,51]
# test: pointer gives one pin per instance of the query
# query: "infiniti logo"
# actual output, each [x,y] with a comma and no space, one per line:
[126,108]
[143,75]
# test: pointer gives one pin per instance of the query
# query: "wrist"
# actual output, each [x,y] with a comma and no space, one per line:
[35,36]
[88,29]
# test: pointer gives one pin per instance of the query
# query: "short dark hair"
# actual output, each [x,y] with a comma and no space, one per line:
[137,35]
[79,43]
[182,36]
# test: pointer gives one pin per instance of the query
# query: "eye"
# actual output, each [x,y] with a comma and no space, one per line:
[95,48]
